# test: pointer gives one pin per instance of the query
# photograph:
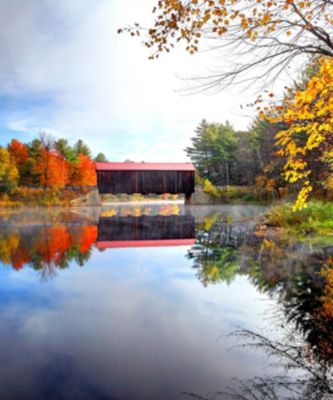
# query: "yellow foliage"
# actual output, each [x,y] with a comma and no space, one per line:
[8,172]
[109,213]
[137,212]
[8,245]
[169,209]
[209,188]
[309,135]
[188,21]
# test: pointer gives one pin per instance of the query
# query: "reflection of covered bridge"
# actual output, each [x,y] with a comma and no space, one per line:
[146,231]
[145,178]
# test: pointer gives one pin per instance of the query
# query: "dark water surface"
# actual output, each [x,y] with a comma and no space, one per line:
[136,302]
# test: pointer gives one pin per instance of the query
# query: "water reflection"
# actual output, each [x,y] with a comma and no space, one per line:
[299,276]
[146,231]
[141,315]
[46,248]
[298,376]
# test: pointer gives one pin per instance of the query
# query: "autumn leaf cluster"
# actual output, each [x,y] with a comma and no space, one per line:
[50,246]
[307,140]
[190,21]
[46,163]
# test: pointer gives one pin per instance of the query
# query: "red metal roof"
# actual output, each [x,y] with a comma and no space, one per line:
[144,243]
[126,166]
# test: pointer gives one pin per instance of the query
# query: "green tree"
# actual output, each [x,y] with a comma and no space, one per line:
[67,151]
[213,151]
[101,158]
[224,150]
[81,148]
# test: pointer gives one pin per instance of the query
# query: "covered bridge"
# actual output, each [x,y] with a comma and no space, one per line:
[145,178]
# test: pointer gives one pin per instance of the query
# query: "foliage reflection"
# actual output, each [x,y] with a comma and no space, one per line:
[46,248]
[299,276]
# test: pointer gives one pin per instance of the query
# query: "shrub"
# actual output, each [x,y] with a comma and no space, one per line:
[264,188]
[209,188]
[317,217]
[198,180]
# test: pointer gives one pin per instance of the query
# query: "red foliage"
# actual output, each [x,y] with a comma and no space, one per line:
[52,245]
[20,257]
[19,152]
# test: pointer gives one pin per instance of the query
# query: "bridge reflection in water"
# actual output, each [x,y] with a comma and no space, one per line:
[146,231]
[48,245]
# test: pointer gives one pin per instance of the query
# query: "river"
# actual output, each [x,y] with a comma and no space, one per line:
[157,301]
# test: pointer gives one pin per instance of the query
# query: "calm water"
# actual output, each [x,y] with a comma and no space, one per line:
[138,303]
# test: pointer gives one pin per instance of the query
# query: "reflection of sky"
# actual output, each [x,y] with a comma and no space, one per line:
[131,324]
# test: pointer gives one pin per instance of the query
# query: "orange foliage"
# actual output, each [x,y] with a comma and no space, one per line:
[88,236]
[83,173]
[42,164]
[54,243]
[51,245]
[327,298]
[52,168]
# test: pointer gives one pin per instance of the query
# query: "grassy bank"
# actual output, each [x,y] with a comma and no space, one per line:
[316,218]
[260,193]
[26,197]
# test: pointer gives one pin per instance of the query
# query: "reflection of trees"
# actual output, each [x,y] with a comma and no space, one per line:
[297,375]
[300,281]
[215,253]
[298,276]
[213,263]
[47,248]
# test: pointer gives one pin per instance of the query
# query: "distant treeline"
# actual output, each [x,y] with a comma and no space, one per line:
[46,162]
[227,157]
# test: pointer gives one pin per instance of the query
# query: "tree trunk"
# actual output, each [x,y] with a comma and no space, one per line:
[227,173]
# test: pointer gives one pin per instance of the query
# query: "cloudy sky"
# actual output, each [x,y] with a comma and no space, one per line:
[65,69]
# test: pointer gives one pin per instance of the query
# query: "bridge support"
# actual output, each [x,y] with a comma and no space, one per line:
[93,198]
[188,197]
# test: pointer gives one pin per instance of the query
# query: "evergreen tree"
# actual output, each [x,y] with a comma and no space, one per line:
[81,148]
[67,151]
[101,158]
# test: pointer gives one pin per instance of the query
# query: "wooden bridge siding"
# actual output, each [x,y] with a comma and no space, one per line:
[146,228]
[145,182]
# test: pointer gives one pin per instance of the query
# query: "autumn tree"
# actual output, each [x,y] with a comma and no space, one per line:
[19,154]
[9,174]
[50,163]
[261,37]
[51,167]
[307,143]
[84,173]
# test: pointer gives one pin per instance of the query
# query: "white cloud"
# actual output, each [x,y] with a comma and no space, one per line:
[100,85]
